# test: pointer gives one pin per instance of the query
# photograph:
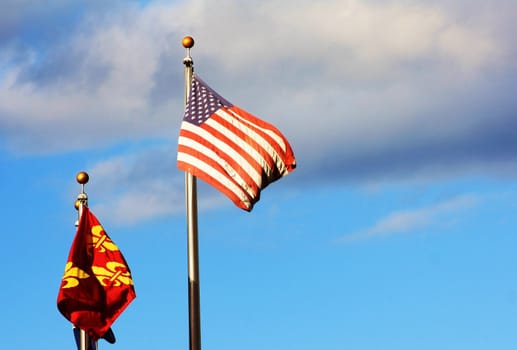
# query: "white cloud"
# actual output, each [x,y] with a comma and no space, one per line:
[414,219]
[368,89]
[344,38]
[97,82]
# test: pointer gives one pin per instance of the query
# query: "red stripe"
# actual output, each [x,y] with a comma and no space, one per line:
[251,142]
[233,162]
[217,185]
[227,158]
[194,170]
[287,156]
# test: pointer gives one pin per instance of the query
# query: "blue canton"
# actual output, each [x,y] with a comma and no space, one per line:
[202,102]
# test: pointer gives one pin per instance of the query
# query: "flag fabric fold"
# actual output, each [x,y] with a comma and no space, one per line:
[230,149]
[97,285]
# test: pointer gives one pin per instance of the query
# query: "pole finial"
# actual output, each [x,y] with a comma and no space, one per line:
[82,177]
[187,42]
[82,199]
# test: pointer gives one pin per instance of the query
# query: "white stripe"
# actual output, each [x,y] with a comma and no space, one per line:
[243,145]
[190,143]
[221,178]
[279,140]
[250,170]
[277,159]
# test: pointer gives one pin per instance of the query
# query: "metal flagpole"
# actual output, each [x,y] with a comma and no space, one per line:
[82,200]
[192,236]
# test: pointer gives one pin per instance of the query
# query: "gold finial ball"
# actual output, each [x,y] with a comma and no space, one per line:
[82,177]
[187,42]
[77,204]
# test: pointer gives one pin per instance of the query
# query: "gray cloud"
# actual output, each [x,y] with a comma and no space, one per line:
[32,23]
[90,89]
[472,132]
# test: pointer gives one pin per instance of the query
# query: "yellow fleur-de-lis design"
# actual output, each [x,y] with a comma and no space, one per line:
[101,241]
[73,275]
[113,274]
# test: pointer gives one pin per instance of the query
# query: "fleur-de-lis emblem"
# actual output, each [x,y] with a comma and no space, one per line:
[72,276]
[101,241]
[113,274]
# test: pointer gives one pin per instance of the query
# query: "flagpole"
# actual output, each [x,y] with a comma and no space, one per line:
[82,200]
[192,231]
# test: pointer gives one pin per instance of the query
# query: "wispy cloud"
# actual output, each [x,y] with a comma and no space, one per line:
[143,185]
[414,219]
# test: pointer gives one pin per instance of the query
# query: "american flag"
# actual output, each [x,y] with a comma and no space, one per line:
[229,148]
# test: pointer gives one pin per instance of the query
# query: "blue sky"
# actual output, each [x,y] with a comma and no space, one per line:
[396,231]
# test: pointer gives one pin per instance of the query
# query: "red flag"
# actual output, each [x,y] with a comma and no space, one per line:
[97,284]
[232,150]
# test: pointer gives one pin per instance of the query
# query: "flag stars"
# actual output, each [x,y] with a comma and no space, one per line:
[202,103]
